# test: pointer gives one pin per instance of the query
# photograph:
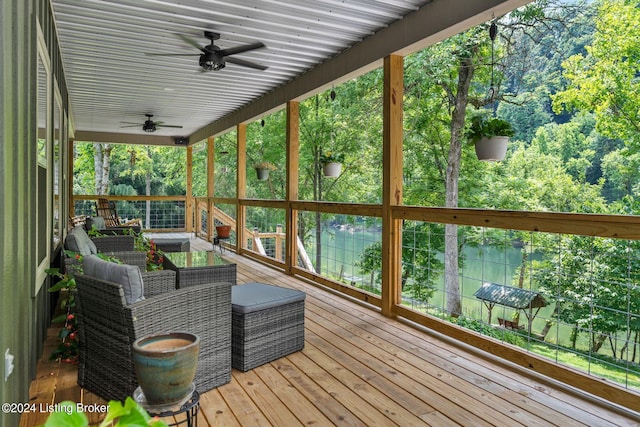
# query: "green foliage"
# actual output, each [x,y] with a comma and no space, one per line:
[510,337]
[487,127]
[604,80]
[422,268]
[155,257]
[331,157]
[589,295]
[131,414]
[67,350]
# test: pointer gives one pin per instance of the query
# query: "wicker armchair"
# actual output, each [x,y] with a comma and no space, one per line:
[107,327]
[122,247]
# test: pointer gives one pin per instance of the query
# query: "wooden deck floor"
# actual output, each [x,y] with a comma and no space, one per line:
[359,368]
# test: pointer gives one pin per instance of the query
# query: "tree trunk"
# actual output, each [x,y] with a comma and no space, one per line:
[523,268]
[460,100]
[97,167]
[101,163]
[147,217]
[317,195]
[596,341]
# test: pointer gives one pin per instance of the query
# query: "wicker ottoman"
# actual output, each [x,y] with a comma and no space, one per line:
[173,245]
[267,323]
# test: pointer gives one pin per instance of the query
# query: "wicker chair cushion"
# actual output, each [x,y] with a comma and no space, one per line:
[96,221]
[78,241]
[128,276]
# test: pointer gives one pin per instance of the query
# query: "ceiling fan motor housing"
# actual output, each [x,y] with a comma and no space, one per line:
[149,126]
[211,61]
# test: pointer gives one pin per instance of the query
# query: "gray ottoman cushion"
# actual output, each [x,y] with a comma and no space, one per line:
[252,297]
[172,245]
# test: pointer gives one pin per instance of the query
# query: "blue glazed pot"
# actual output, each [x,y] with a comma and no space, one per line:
[166,365]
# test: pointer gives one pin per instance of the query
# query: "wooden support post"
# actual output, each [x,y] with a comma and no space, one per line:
[211,163]
[391,181]
[293,156]
[188,220]
[278,248]
[241,185]
[70,200]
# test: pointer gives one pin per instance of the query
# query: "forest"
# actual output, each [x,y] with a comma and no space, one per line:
[565,74]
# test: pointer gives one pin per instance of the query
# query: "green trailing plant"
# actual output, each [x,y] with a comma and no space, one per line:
[67,350]
[94,232]
[155,257]
[331,157]
[265,165]
[482,126]
[130,414]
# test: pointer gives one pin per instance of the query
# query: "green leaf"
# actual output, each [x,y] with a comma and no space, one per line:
[67,416]
[129,415]
[59,319]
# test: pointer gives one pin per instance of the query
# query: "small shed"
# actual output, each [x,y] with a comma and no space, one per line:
[509,296]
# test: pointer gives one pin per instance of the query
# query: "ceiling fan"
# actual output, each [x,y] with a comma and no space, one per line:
[213,58]
[149,125]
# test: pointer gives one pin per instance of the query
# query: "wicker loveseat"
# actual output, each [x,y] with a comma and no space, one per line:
[108,325]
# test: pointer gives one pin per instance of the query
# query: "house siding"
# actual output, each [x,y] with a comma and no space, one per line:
[24,317]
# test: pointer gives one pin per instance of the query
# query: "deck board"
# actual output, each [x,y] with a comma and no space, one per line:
[359,368]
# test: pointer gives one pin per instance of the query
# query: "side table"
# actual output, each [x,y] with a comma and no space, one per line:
[188,410]
[217,241]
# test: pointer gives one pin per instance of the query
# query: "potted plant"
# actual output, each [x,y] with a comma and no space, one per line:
[331,163]
[490,137]
[262,170]
[223,231]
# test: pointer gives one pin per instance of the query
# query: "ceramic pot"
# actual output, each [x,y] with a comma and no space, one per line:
[166,365]
[332,169]
[492,149]
[223,231]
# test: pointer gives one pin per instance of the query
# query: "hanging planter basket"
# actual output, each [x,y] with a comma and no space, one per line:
[263,174]
[332,169]
[492,149]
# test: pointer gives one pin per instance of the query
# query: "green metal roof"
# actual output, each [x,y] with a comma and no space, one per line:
[510,296]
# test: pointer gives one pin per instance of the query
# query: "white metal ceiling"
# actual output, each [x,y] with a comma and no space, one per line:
[111,79]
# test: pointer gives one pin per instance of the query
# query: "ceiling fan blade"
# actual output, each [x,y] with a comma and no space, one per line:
[168,126]
[244,63]
[172,54]
[131,126]
[191,42]
[240,49]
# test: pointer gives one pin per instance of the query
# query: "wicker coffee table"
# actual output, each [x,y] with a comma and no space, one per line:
[197,268]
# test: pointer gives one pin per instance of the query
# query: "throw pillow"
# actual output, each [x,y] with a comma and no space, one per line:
[78,241]
[128,276]
[96,221]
